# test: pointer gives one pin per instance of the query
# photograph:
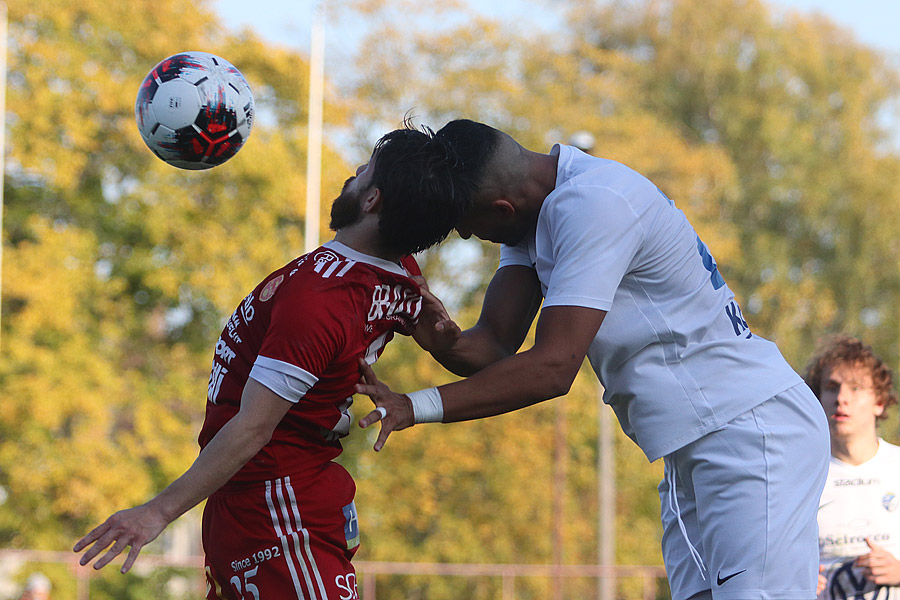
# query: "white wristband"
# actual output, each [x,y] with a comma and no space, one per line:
[427,406]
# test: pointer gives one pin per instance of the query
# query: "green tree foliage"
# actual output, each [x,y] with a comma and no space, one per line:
[118,269]
[767,130]
[799,108]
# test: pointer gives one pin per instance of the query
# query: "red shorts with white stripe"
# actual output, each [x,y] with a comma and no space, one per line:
[291,537]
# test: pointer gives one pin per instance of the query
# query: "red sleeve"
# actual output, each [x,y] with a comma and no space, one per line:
[308,328]
[412,267]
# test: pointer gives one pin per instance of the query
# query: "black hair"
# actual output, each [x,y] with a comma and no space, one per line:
[475,143]
[424,193]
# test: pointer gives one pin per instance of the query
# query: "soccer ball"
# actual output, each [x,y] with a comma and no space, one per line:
[194,110]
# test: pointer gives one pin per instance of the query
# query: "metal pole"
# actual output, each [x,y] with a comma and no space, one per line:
[606,522]
[606,458]
[4,42]
[560,456]
[82,583]
[314,128]
[368,586]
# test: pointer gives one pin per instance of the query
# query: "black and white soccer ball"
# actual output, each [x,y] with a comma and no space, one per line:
[194,110]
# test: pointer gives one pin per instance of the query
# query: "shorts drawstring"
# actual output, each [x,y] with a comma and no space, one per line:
[673,504]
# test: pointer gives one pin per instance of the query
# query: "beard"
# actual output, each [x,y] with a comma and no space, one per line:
[345,210]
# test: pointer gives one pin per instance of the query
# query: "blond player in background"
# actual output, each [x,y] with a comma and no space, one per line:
[859,520]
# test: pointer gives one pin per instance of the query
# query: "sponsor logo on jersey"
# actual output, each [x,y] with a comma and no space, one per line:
[855,481]
[233,322]
[224,352]
[390,302]
[841,540]
[246,309]
[351,525]
[267,292]
[216,375]
[890,502]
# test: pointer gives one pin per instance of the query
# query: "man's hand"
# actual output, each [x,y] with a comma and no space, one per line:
[134,527]
[879,565]
[436,331]
[398,412]
[822,581]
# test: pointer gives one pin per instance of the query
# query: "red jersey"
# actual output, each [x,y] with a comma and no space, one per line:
[301,332]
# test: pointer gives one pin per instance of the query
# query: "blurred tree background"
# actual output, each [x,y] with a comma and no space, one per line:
[773,135]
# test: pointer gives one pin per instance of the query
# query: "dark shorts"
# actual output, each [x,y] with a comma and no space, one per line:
[291,537]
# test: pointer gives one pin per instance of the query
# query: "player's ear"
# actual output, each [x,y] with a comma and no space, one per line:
[372,200]
[503,207]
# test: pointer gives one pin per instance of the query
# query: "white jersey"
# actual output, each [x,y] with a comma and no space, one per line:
[859,502]
[674,354]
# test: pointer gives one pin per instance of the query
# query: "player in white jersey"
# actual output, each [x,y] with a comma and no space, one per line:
[627,282]
[859,513]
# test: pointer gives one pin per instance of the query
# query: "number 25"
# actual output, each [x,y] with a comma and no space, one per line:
[248,587]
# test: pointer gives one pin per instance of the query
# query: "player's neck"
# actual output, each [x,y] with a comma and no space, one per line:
[854,450]
[542,178]
[361,238]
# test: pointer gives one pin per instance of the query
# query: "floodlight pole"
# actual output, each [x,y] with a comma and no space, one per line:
[606,457]
[314,128]
[560,463]
[3,46]
[606,522]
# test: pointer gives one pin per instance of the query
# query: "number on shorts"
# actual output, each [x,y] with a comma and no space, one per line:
[247,586]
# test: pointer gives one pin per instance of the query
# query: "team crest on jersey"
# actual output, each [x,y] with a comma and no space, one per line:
[890,502]
[267,292]
[323,258]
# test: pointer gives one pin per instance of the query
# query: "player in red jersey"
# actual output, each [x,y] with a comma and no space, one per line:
[280,521]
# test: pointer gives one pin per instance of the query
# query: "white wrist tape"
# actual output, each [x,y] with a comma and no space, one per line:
[427,405]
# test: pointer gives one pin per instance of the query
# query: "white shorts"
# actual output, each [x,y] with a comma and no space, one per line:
[747,495]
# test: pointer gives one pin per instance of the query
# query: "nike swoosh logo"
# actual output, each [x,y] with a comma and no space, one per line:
[720,580]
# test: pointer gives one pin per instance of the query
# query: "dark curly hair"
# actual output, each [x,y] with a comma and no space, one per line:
[849,351]
[424,193]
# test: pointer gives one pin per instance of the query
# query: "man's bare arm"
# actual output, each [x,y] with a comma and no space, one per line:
[547,370]
[510,305]
[236,443]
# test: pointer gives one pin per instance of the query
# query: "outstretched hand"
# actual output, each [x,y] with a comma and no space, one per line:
[398,411]
[436,332]
[135,527]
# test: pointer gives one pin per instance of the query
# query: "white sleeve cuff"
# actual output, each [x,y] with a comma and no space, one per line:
[427,406]
[287,380]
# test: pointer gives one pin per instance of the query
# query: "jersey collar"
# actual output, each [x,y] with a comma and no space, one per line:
[365,258]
